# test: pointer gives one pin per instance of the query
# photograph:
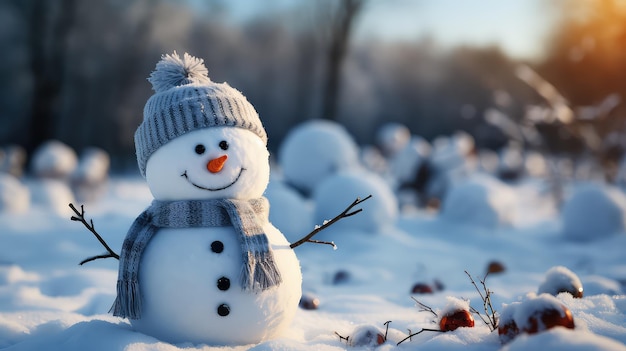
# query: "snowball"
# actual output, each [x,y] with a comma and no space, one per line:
[392,137]
[594,211]
[90,177]
[291,213]
[93,166]
[559,279]
[336,192]
[480,201]
[14,196]
[53,159]
[315,150]
[564,339]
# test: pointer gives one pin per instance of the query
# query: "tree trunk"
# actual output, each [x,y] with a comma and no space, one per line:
[48,45]
[341,26]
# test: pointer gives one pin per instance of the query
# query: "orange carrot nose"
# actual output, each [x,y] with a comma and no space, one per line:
[216,164]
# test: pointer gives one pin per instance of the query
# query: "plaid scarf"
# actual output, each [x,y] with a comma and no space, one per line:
[259,271]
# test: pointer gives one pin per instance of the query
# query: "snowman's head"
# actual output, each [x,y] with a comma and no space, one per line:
[209,163]
[199,139]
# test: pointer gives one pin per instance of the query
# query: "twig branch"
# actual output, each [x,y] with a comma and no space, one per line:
[386,324]
[419,332]
[80,217]
[490,312]
[344,214]
[424,308]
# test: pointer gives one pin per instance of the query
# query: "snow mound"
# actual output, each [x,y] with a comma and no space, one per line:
[93,166]
[54,159]
[89,179]
[480,201]
[560,279]
[564,339]
[334,194]
[315,150]
[14,196]
[291,213]
[594,211]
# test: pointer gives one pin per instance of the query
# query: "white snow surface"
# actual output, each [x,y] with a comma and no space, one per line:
[48,301]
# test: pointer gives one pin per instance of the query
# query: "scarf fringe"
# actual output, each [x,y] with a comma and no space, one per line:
[259,272]
[128,301]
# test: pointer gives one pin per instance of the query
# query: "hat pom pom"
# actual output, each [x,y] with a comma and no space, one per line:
[173,71]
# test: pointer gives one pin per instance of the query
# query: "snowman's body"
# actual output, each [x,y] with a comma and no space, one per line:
[190,277]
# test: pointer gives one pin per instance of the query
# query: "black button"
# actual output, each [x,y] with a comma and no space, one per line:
[217,246]
[223,283]
[223,310]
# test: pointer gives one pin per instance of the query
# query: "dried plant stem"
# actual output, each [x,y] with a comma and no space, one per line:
[419,332]
[490,313]
[424,308]
[80,217]
[344,214]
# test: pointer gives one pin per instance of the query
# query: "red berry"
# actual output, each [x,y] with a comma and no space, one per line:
[549,318]
[421,288]
[455,320]
[507,331]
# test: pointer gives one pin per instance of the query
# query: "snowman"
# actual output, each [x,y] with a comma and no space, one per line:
[202,263]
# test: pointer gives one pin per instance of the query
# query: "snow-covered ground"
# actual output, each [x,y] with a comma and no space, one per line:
[49,302]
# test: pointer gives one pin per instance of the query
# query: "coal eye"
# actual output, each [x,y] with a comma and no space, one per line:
[200,149]
[224,145]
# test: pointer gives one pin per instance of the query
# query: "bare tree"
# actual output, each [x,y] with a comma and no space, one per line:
[340,26]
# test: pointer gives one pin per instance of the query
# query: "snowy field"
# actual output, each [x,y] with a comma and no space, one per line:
[49,302]
[398,268]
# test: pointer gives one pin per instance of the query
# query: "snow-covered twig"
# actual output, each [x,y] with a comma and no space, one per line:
[344,214]
[490,312]
[80,217]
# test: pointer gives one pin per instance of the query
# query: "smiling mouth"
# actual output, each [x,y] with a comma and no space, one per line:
[212,189]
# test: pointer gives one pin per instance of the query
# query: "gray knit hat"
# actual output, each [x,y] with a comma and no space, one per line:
[186,99]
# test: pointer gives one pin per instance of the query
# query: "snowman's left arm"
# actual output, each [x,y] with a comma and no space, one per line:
[346,213]
[80,217]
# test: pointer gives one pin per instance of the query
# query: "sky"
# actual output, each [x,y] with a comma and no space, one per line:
[518,26]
